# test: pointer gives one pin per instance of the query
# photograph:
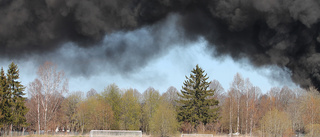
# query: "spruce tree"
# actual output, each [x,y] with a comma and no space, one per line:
[197,104]
[17,101]
[4,100]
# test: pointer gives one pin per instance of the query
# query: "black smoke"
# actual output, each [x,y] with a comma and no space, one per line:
[284,33]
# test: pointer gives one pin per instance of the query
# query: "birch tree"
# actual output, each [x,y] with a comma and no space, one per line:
[54,86]
[237,86]
[254,95]
[34,90]
[228,110]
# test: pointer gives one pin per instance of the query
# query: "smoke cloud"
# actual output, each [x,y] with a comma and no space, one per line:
[284,33]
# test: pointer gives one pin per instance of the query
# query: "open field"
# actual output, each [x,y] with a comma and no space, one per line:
[142,136]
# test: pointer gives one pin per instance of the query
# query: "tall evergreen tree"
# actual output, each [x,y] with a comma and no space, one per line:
[197,104]
[17,101]
[4,100]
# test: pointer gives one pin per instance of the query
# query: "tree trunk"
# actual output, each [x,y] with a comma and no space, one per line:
[251,126]
[45,121]
[11,130]
[247,114]
[312,114]
[38,115]
[45,113]
[230,114]
[221,130]
[23,129]
[82,127]
[251,118]
[238,114]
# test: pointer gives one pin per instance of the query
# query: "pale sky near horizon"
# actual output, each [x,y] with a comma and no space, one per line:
[168,70]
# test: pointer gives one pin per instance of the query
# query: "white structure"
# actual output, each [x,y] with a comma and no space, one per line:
[115,133]
[196,135]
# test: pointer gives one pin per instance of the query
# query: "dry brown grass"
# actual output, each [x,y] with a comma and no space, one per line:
[57,136]
[142,136]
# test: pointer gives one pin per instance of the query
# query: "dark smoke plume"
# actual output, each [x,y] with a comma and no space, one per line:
[284,33]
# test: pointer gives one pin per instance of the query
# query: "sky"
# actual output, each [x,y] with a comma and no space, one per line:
[157,43]
[168,70]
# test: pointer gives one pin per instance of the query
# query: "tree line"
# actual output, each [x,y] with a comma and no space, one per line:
[200,107]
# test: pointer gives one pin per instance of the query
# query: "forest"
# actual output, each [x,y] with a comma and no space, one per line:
[242,109]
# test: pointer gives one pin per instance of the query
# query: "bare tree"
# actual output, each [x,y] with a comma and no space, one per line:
[311,109]
[230,112]
[171,96]
[274,94]
[34,91]
[54,86]
[219,90]
[69,110]
[295,113]
[91,92]
[254,95]
[227,113]
[221,96]
[248,86]
[237,86]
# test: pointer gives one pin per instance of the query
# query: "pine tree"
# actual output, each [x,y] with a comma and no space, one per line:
[197,104]
[17,101]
